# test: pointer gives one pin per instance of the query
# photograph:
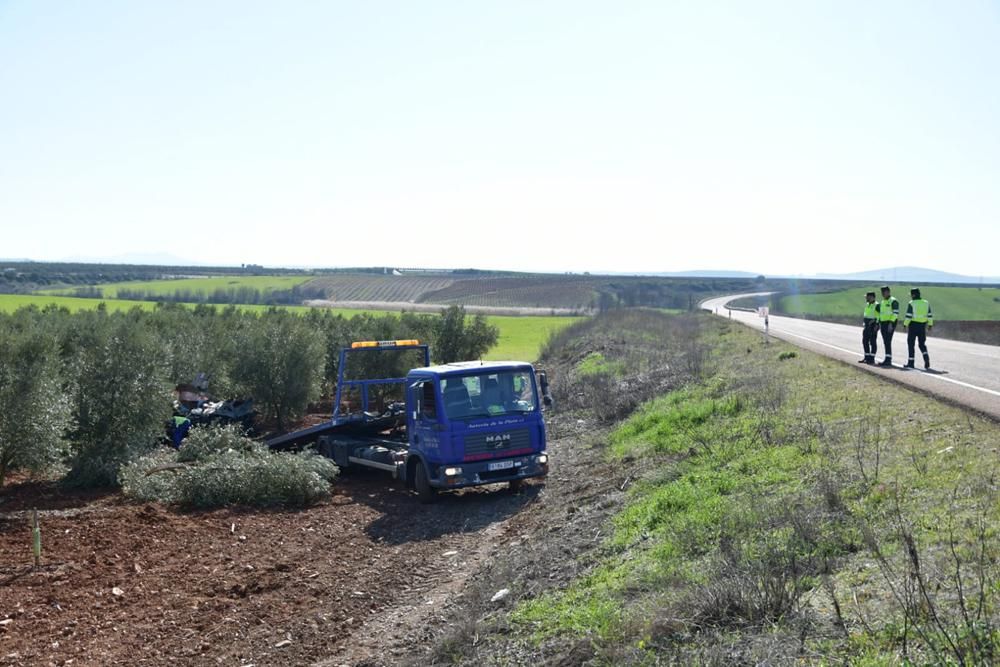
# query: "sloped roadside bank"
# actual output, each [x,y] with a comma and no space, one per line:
[783,508]
[602,370]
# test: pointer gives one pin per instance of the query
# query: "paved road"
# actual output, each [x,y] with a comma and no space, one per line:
[967,373]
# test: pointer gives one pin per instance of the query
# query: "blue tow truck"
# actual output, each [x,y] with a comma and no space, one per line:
[440,427]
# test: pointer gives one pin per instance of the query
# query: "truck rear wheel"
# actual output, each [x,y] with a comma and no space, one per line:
[425,492]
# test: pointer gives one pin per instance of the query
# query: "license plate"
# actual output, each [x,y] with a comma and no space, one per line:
[500,465]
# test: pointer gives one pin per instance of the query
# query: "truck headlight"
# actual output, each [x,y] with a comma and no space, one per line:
[452,472]
[543,459]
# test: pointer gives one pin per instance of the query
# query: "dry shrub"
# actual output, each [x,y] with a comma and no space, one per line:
[768,558]
[646,353]
[947,597]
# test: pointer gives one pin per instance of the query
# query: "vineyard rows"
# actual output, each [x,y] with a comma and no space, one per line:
[574,292]
[407,289]
[546,292]
[577,293]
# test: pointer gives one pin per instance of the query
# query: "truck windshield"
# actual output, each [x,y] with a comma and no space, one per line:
[489,395]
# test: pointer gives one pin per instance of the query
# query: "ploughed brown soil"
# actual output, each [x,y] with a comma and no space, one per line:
[127,583]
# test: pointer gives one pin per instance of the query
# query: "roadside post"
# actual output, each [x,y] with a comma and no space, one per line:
[36,538]
[763,312]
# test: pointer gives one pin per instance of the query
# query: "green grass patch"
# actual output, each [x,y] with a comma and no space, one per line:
[11,302]
[589,606]
[522,337]
[949,303]
[595,363]
[713,465]
[203,285]
[672,423]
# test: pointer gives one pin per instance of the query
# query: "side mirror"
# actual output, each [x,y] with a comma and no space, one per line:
[543,382]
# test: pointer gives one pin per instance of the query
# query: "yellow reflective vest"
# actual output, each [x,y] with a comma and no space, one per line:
[888,310]
[871,310]
[919,310]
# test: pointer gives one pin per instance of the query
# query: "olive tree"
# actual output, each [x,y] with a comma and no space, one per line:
[279,361]
[34,411]
[196,341]
[458,339]
[121,395]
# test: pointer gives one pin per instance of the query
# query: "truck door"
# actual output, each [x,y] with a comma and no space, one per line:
[425,433]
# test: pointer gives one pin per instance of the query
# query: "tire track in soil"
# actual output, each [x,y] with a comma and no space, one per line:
[540,547]
[389,637]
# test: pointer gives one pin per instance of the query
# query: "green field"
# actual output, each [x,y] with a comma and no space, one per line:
[949,303]
[11,302]
[206,285]
[521,338]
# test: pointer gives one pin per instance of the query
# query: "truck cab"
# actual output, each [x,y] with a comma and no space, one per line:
[473,423]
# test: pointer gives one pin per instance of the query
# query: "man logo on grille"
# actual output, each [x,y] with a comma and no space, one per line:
[498,441]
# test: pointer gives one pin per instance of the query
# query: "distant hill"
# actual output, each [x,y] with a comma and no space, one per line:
[699,273]
[710,274]
[910,274]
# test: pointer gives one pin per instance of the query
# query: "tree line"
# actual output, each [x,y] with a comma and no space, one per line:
[221,295]
[87,392]
[23,277]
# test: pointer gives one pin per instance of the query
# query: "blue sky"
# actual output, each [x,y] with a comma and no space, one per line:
[791,137]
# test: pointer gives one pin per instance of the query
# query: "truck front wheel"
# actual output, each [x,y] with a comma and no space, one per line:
[425,492]
[515,485]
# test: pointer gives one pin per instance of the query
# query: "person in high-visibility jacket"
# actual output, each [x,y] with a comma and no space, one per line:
[888,315]
[869,335]
[917,321]
[179,427]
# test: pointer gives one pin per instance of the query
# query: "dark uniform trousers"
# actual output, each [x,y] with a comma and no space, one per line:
[888,328]
[869,338]
[917,332]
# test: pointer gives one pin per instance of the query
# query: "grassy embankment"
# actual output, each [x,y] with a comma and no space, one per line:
[791,508]
[520,337]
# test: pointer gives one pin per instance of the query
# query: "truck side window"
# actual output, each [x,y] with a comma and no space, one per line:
[428,402]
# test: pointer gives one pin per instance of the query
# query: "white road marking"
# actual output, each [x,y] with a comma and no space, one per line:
[931,375]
